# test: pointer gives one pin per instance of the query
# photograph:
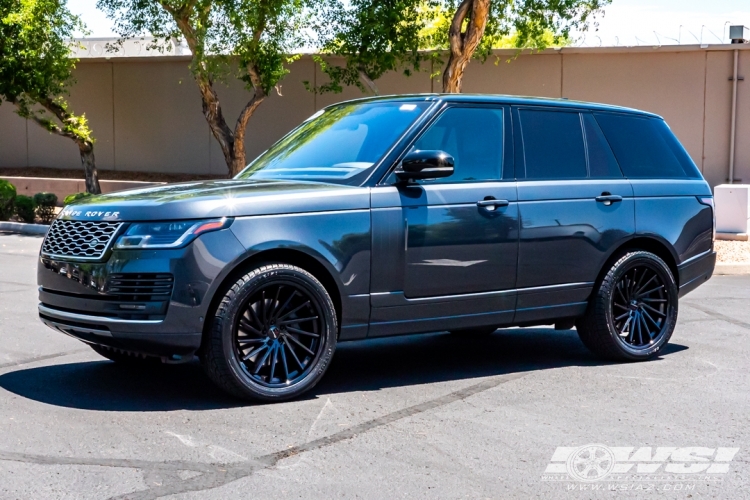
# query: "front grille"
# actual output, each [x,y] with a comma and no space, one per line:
[80,239]
[146,287]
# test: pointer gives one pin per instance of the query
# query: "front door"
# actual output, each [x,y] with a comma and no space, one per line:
[451,244]
[575,209]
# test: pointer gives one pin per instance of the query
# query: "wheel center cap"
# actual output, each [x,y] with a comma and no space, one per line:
[274,332]
[633,305]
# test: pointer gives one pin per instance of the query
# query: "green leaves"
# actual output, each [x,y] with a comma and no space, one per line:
[373,36]
[35,48]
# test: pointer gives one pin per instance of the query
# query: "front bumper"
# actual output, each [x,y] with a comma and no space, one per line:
[74,296]
[696,271]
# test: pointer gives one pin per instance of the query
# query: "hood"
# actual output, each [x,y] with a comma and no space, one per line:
[220,198]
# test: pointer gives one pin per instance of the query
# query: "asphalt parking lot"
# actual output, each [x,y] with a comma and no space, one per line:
[419,416]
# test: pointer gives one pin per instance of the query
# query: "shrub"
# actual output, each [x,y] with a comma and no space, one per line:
[25,208]
[72,198]
[45,206]
[7,195]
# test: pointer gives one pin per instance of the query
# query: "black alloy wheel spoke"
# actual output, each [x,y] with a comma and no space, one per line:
[274,359]
[655,311]
[245,326]
[300,344]
[286,304]
[250,313]
[261,361]
[275,303]
[292,311]
[645,285]
[283,360]
[267,334]
[650,291]
[296,320]
[249,341]
[302,332]
[294,355]
[254,352]
[640,305]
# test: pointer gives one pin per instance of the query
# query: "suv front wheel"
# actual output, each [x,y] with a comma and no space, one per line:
[633,313]
[273,334]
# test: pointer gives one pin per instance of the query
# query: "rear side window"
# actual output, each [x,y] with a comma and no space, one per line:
[553,144]
[602,163]
[646,147]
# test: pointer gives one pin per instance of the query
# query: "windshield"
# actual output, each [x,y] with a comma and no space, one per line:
[340,144]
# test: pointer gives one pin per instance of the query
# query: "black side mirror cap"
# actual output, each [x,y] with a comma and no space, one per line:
[425,164]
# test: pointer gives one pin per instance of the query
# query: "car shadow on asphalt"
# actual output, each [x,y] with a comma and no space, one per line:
[357,366]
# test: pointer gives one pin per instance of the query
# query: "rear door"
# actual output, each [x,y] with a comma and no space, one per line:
[575,208]
[666,182]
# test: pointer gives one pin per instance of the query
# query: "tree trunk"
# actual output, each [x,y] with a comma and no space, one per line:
[215,119]
[89,167]
[369,82]
[85,146]
[239,161]
[463,44]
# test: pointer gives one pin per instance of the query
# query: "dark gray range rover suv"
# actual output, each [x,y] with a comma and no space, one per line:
[392,216]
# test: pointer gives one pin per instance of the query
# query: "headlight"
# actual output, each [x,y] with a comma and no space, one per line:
[168,234]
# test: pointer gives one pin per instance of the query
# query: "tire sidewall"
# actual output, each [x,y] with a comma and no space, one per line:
[622,266]
[249,284]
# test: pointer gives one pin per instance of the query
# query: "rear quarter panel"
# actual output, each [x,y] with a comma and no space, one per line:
[669,211]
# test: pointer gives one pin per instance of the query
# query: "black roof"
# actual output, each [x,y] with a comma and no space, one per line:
[507,99]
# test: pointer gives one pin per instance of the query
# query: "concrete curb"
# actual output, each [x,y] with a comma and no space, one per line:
[22,228]
[731,269]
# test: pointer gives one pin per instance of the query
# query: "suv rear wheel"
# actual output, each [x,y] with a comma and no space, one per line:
[633,313]
[273,334]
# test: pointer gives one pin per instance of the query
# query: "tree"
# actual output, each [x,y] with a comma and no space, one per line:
[376,36]
[36,70]
[373,37]
[249,39]
[477,24]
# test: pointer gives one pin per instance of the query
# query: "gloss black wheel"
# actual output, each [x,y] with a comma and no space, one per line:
[634,310]
[640,306]
[277,337]
[274,334]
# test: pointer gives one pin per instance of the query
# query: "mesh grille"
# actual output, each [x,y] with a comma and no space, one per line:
[82,239]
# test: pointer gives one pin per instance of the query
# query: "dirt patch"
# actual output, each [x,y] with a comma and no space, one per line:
[105,175]
[732,252]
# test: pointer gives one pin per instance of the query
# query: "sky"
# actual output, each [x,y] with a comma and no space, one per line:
[625,22]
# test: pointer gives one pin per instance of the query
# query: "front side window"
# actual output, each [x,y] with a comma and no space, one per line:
[341,144]
[553,144]
[645,147]
[473,137]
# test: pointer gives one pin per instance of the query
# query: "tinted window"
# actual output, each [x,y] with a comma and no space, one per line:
[474,137]
[602,163]
[553,145]
[645,147]
[341,144]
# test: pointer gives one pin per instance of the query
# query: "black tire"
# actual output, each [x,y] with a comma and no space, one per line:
[480,331]
[124,357]
[633,311]
[250,341]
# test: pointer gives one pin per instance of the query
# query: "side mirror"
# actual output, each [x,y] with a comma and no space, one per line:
[425,164]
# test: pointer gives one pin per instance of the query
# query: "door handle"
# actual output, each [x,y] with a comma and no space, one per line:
[608,199]
[492,204]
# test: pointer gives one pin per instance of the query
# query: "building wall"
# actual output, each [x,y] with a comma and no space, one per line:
[146,111]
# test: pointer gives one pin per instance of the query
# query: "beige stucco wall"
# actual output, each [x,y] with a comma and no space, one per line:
[146,112]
